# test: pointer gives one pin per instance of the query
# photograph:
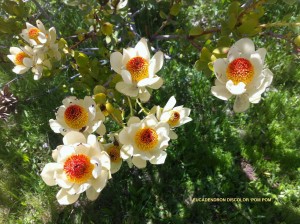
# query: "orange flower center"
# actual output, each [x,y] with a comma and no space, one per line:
[19,58]
[78,168]
[240,70]
[33,33]
[76,117]
[114,153]
[138,68]
[174,119]
[146,139]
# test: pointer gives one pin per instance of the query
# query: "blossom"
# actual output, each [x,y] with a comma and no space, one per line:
[242,74]
[174,116]
[35,35]
[22,58]
[117,4]
[138,71]
[145,140]
[78,115]
[80,165]
[113,150]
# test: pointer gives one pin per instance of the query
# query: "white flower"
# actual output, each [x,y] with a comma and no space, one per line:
[22,58]
[174,116]
[113,150]
[117,4]
[35,35]
[144,140]
[242,74]
[137,70]
[78,115]
[79,166]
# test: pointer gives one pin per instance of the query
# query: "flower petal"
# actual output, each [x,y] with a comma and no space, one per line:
[262,52]
[73,137]
[170,104]
[15,50]
[105,160]
[254,94]
[126,76]
[220,67]
[128,54]
[92,194]
[138,162]
[116,61]
[48,173]
[221,92]
[115,167]
[245,45]
[173,135]
[157,60]
[236,89]
[127,89]
[142,49]
[160,159]
[66,199]
[20,69]
[144,95]
[99,183]
[241,103]
[28,62]
[148,81]
[157,84]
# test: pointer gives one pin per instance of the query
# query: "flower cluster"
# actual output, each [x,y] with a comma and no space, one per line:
[242,74]
[38,56]
[83,163]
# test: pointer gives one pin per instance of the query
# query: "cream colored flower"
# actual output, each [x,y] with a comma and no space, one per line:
[80,165]
[242,74]
[174,116]
[137,70]
[78,115]
[144,140]
[35,35]
[22,58]
[117,4]
[113,150]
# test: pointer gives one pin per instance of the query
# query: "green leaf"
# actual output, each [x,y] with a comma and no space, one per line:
[249,27]
[297,41]
[82,59]
[290,2]
[234,8]
[175,9]
[163,15]
[232,20]
[195,31]
[107,29]
[205,54]
[224,41]
[200,65]
[99,89]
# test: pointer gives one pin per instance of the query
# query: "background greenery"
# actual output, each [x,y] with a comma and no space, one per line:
[219,154]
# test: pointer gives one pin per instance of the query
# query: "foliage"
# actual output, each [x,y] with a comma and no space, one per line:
[208,159]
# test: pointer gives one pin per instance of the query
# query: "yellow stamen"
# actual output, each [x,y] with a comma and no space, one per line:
[146,139]
[138,68]
[19,58]
[76,117]
[114,154]
[240,70]
[174,118]
[78,168]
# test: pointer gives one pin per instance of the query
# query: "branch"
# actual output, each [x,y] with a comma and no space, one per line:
[86,37]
